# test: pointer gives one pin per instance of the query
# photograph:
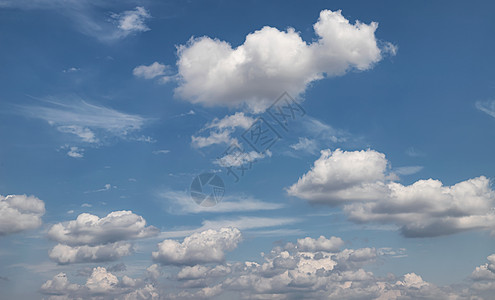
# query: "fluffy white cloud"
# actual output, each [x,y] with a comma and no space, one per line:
[88,229]
[339,177]
[149,72]
[20,212]
[89,238]
[64,254]
[359,180]
[291,272]
[321,244]
[202,247]
[271,61]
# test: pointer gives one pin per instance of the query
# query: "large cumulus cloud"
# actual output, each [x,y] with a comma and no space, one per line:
[271,61]
[360,182]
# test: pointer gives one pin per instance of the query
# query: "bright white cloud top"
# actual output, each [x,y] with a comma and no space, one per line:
[360,182]
[90,238]
[19,213]
[203,247]
[270,61]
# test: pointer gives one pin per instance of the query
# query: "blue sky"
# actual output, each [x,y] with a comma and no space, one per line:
[381,189]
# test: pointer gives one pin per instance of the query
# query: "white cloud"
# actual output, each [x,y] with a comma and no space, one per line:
[101,284]
[332,244]
[305,144]
[71,70]
[156,152]
[132,21]
[75,152]
[202,247]
[487,107]
[241,158]
[181,203]
[222,137]
[85,134]
[59,285]
[89,238]
[271,61]
[295,272]
[239,119]
[149,72]
[338,177]
[358,180]
[88,229]
[86,120]
[64,254]
[91,19]
[19,213]
[220,130]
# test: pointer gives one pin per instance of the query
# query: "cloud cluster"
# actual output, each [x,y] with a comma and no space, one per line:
[89,238]
[360,181]
[19,213]
[271,61]
[308,269]
[101,284]
[203,247]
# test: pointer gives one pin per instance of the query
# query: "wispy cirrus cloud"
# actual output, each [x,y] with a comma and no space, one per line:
[89,122]
[97,19]
[179,202]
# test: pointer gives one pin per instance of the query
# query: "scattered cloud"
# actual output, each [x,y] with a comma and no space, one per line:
[132,21]
[360,182]
[241,158]
[306,145]
[212,72]
[75,152]
[203,247]
[152,71]
[313,269]
[19,213]
[220,130]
